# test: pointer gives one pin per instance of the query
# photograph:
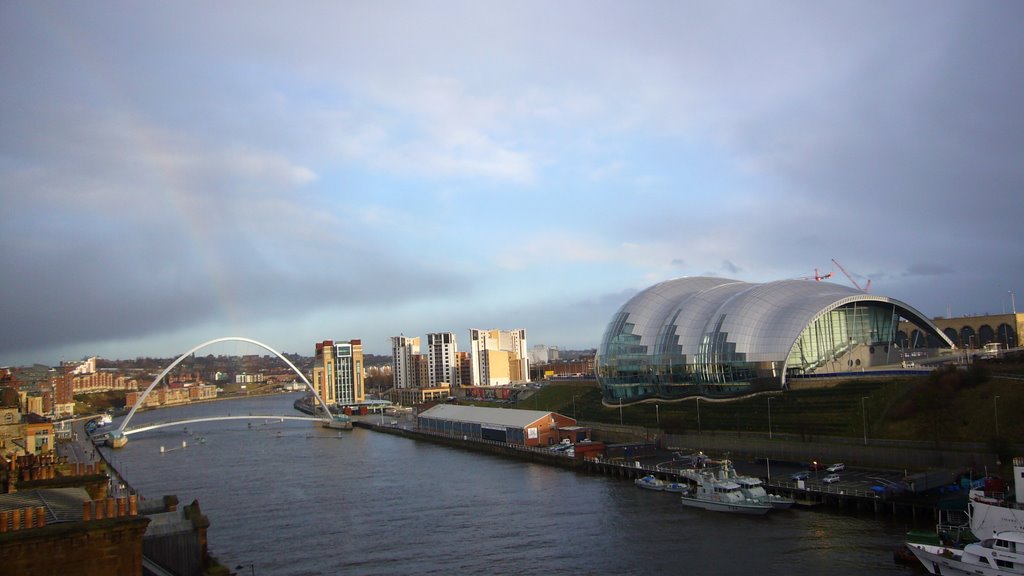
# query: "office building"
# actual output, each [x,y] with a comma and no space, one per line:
[338,372]
[498,357]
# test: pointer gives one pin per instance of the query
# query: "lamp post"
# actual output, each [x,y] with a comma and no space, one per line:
[698,416]
[620,410]
[657,415]
[995,408]
[864,417]
[769,417]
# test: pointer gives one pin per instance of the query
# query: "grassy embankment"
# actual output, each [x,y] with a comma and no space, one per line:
[947,406]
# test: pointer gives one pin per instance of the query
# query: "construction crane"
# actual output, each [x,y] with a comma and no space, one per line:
[866,287]
[818,277]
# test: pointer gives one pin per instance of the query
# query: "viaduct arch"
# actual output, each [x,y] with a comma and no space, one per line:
[119,433]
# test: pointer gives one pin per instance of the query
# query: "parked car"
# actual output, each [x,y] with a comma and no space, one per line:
[800,476]
[837,467]
[831,478]
[815,466]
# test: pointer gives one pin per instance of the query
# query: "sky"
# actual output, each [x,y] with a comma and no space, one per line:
[291,172]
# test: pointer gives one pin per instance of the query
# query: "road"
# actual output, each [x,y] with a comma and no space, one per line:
[80,448]
[851,480]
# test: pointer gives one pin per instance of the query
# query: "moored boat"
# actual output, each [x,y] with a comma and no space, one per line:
[753,488]
[720,495]
[677,487]
[1002,555]
[951,534]
[993,512]
[649,482]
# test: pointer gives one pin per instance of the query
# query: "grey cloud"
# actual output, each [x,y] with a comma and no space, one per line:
[730,268]
[928,269]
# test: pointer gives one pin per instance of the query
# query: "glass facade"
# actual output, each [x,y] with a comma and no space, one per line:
[715,337]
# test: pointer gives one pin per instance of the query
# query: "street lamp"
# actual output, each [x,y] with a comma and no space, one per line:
[698,416]
[769,417]
[657,415]
[864,417]
[620,410]
[995,408]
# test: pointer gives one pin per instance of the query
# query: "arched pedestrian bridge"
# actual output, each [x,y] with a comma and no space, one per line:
[159,425]
[119,437]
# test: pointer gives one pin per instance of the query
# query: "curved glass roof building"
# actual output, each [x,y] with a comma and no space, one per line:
[715,337]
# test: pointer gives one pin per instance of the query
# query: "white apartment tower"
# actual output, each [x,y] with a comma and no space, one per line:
[403,351]
[441,360]
[499,357]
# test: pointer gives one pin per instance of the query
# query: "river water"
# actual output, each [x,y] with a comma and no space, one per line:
[292,498]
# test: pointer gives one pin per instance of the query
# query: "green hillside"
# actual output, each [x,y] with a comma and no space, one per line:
[947,406]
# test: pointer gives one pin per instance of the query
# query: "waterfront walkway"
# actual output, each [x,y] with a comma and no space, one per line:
[80,450]
[810,495]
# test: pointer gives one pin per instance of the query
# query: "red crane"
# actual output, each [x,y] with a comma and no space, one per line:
[817,276]
[866,287]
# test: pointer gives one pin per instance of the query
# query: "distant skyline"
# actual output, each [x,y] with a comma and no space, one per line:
[175,173]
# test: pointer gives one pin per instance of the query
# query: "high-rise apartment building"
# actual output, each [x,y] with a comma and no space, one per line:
[498,357]
[338,372]
[403,361]
[441,360]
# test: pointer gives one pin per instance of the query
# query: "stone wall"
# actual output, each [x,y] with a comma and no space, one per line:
[109,547]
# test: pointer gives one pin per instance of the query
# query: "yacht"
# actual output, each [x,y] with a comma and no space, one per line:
[1002,555]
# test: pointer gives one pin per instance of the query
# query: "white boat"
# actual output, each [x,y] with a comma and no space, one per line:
[720,494]
[753,488]
[649,482]
[999,556]
[677,487]
[992,513]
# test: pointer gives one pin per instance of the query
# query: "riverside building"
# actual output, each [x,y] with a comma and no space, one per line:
[442,360]
[338,372]
[498,357]
[524,427]
[404,365]
[715,337]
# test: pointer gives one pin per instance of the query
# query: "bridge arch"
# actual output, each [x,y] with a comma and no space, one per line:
[124,423]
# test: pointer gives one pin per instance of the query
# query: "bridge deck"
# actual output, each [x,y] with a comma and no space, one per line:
[159,425]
